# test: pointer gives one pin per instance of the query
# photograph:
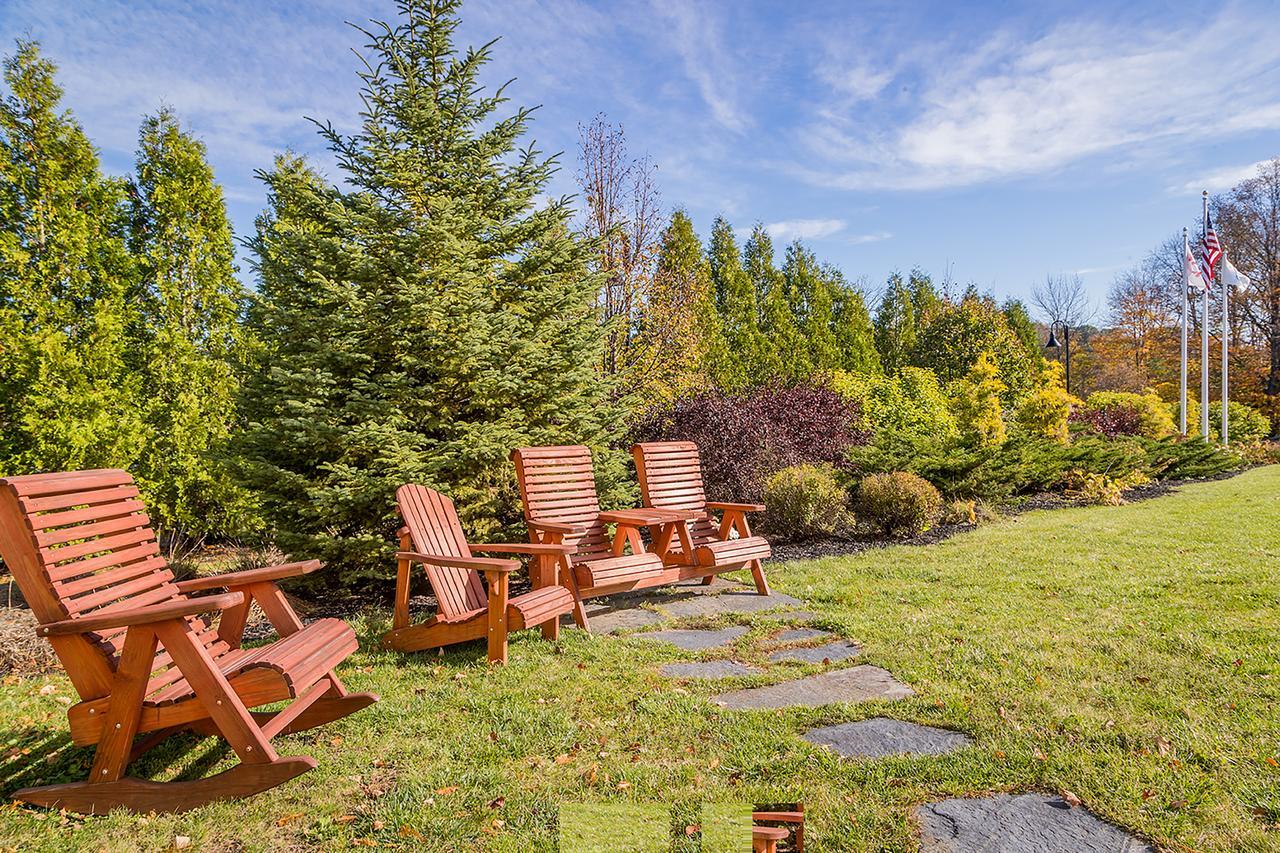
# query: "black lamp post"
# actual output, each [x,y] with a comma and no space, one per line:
[1066,343]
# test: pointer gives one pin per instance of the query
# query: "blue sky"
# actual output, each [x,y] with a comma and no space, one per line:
[993,142]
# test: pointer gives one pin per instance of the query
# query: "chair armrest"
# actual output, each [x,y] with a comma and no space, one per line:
[557,527]
[525,548]
[251,576]
[733,507]
[128,617]
[479,564]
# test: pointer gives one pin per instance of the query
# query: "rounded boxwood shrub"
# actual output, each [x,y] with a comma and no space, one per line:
[1113,413]
[899,503]
[804,501]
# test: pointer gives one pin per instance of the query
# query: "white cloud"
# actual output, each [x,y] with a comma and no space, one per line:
[804,229]
[1011,108]
[699,41]
[1220,179]
[876,237]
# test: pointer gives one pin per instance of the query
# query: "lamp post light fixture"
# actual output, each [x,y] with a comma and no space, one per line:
[1066,346]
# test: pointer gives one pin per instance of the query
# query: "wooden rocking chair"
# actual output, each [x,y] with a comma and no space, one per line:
[561,506]
[433,537]
[670,475]
[136,648]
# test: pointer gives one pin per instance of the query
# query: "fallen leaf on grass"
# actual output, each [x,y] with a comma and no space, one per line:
[410,832]
[1163,746]
[1039,756]
[379,825]
[344,818]
[48,689]
[1070,798]
[692,830]
[1272,761]
[444,792]
[497,802]
[624,785]
[288,819]
[564,758]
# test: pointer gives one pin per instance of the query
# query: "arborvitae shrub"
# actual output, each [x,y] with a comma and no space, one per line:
[899,503]
[805,501]
[743,437]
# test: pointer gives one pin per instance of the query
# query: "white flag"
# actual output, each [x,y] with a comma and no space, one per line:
[1232,277]
[1191,269]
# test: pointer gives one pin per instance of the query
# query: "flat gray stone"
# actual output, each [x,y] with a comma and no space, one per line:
[694,640]
[708,669]
[738,600]
[881,736]
[795,635]
[838,650]
[855,684]
[608,619]
[1025,823]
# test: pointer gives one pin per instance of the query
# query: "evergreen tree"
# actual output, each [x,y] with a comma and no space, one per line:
[958,331]
[744,345]
[1022,326]
[423,319]
[925,299]
[855,337]
[813,294]
[781,335]
[67,397]
[190,337]
[680,331]
[895,325]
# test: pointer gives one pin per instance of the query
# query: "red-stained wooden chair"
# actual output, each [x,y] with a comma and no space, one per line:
[433,537]
[670,474]
[561,506]
[792,821]
[143,658]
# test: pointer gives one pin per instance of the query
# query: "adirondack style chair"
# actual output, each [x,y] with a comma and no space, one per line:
[432,537]
[143,657]
[561,506]
[670,474]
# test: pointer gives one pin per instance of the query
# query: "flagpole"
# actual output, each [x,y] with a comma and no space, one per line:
[1204,336]
[1186,285]
[1226,335]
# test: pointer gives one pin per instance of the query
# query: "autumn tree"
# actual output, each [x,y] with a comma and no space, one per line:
[621,217]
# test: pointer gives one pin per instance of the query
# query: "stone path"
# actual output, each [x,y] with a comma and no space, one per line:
[630,611]
[880,737]
[695,640]
[708,669]
[838,650]
[855,684]
[1023,823]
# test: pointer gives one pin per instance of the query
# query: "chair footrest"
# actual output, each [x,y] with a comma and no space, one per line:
[735,551]
[628,568]
[538,606]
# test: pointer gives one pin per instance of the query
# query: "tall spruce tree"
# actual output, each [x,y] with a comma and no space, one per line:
[855,336]
[813,294]
[744,345]
[680,331]
[781,355]
[190,339]
[425,318]
[895,325]
[67,396]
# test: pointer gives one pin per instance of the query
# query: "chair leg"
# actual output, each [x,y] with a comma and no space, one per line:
[551,629]
[579,609]
[708,580]
[757,572]
[128,689]
[497,616]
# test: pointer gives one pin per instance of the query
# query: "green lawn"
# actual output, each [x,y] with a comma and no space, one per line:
[1128,655]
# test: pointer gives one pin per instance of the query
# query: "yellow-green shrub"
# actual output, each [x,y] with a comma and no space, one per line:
[1113,413]
[1046,410]
[899,503]
[804,501]
[977,404]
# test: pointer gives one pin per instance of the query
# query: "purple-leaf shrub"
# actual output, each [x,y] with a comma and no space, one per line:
[745,436]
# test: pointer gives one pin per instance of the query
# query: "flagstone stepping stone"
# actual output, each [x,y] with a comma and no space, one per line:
[855,684]
[797,634]
[740,600]
[881,736]
[605,618]
[708,669]
[834,651]
[1020,824]
[695,640]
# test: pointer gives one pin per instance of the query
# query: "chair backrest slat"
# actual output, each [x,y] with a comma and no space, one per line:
[670,475]
[434,528]
[558,484]
[79,543]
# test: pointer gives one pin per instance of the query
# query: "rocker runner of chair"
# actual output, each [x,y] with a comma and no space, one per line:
[432,536]
[558,489]
[83,553]
[670,475]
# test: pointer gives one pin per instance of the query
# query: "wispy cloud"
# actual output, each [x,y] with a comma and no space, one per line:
[1016,107]
[1220,179]
[698,38]
[804,229]
[876,237]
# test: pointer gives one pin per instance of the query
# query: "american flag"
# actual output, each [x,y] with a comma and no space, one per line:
[1210,252]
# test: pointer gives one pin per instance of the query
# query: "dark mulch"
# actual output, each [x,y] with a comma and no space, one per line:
[21,651]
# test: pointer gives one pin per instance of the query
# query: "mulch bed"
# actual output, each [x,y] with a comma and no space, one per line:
[21,651]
